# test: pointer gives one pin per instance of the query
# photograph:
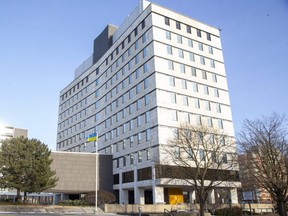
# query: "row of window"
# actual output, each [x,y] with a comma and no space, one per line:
[186,117]
[195,87]
[180,52]
[127,40]
[128,142]
[203,155]
[197,103]
[141,102]
[182,67]
[132,158]
[127,126]
[179,25]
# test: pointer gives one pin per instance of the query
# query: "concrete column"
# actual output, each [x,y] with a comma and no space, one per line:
[123,194]
[211,197]
[139,195]
[138,192]
[233,195]
[192,196]
[158,195]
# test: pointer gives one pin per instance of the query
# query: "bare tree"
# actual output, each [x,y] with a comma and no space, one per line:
[264,143]
[204,158]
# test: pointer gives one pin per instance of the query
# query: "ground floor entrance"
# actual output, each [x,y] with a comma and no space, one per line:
[174,195]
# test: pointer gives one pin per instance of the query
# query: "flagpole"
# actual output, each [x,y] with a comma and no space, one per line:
[96,165]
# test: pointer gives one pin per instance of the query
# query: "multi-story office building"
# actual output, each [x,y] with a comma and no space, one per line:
[157,70]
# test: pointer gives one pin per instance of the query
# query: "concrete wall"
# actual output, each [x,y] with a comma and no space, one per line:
[76,172]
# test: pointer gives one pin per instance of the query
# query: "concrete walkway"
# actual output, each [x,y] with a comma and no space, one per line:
[42,209]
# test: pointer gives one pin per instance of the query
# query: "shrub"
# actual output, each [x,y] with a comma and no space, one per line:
[234,211]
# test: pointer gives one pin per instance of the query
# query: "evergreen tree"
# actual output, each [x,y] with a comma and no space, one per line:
[25,166]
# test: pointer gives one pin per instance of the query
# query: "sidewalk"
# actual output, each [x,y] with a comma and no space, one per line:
[48,209]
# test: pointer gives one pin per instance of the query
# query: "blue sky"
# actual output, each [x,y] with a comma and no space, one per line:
[43,41]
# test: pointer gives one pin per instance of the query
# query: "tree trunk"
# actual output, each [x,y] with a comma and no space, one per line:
[18,197]
[281,208]
[25,196]
[202,207]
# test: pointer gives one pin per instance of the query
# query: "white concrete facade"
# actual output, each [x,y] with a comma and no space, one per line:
[162,70]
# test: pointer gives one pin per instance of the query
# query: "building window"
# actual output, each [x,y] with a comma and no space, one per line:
[139,121]
[179,39]
[193,71]
[198,120]
[208,106]
[210,49]
[185,100]
[131,141]
[167,21]
[139,156]
[170,65]
[174,116]
[208,36]
[186,117]
[190,43]
[224,158]
[146,100]
[131,158]
[184,84]
[218,108]
[143,24]
[195,87]
[214,78]
[139,137]
[197,103]
[204,75]
[124,160]
[220,124]
[192,57]
[176,152]
[209,122]
[145,67]
[206,90]
[200,46]
[216,92]
[147,116]
[138,104]
[202,60]
[181,53]
[178,25]
[148,154]
[148,134]
[182,68]
[138,88]
[173,97]
[202,155]
[146,83]
[198,32]
[188,28]
[168,35]
[169,50]
[135,32]
[172,81]
[144,52]
[143,38]
[212,63]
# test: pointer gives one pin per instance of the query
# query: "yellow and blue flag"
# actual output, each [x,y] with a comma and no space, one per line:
[92,137]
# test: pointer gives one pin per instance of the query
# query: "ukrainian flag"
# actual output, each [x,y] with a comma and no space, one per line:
[92,137]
